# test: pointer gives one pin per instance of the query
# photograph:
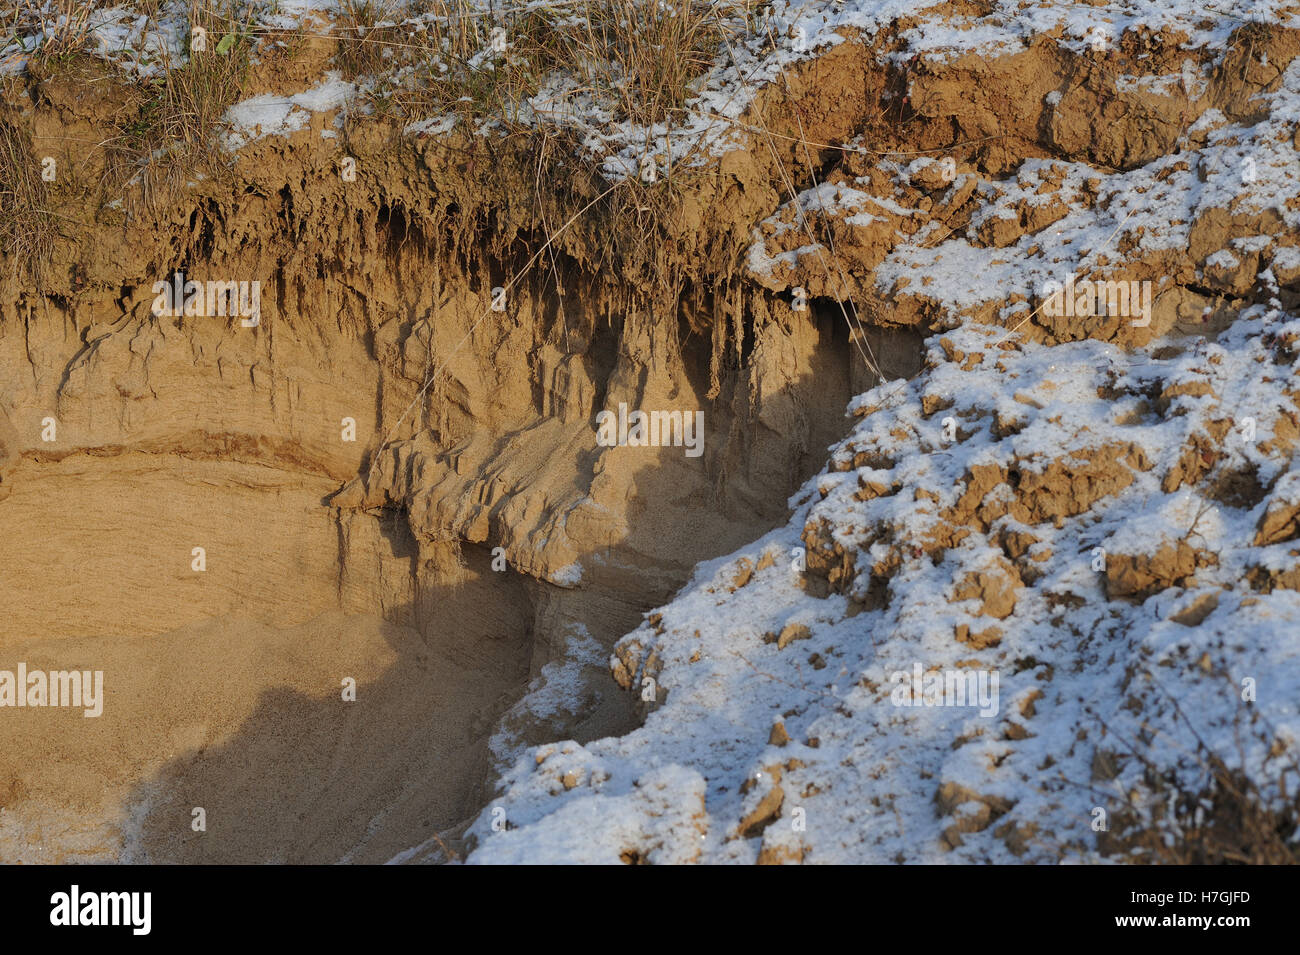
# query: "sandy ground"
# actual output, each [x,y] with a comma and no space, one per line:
[224,689]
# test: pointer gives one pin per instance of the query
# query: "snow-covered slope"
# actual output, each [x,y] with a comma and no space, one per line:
[1087,517]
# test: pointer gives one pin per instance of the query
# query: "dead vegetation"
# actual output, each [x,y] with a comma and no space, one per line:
[1211,810]
[634,59]
[170,138]
[533,71]
[1227,820]
[28,229]
[367,34]
[62,26]
[164,131]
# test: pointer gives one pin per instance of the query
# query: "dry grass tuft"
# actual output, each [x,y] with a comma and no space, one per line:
[1227,821]
[62,27]
[366,29]
[28,229]
[1223,816]
[170,135]
[633,59]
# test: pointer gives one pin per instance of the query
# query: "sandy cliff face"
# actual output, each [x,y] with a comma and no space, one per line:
[389,480]
[393,477]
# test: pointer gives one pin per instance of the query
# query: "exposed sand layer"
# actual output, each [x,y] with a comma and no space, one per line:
[223,689]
